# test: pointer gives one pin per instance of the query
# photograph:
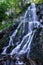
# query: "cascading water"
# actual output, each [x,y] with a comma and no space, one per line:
[11,40]
[14,34]
[24,46]
[19,53]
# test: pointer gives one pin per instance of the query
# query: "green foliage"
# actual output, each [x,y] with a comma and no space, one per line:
[3,9]
[16,7]
[8,4]
[5,25]
[36,1]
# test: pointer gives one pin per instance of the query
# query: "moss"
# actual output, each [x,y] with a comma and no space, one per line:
[23,9]
[6,25]
[20,31]
[37,1]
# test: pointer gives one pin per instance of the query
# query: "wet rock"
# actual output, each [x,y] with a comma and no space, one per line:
[9,49]
[4,36]
[39,11]
[1,34]
[36,52]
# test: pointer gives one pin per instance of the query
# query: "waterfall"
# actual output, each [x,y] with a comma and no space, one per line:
[32,25]
[18,47]
[25,44]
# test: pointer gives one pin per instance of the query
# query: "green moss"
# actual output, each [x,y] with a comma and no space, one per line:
[4,26]
[20,31]
[37,1]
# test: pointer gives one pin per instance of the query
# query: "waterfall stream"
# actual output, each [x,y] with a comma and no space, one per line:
[25,44]
[29,24]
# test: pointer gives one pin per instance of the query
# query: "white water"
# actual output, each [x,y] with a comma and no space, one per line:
[15,50]
[4,51]
[31,25]
[15,32]
[27,49]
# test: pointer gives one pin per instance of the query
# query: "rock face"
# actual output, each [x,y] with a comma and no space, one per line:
[36,52]
[4,36]
[40,12]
